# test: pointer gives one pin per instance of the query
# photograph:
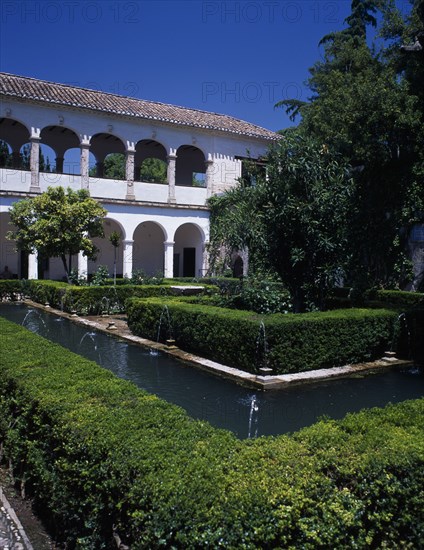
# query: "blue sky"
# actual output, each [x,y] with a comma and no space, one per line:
[233,57]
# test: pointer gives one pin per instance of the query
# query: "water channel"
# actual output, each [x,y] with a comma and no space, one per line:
[246,412]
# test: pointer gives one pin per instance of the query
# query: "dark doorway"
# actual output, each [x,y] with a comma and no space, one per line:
[238,267]
[189,262]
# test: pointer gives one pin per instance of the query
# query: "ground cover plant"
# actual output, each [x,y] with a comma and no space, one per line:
[100,455]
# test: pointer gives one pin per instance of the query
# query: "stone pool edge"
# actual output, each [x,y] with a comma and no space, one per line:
[116,325]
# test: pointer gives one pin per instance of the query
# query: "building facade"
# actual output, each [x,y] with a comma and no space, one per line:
[164,225]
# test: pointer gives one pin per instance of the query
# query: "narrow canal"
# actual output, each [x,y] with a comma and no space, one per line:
[246,412]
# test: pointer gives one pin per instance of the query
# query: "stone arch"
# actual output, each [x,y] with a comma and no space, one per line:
[148,248]
[14,134]
[60,139]
[106,252]
[103,145]
[149,150]
[190,166]
[189,240]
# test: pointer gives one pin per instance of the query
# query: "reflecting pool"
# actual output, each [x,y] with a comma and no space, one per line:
[246,412]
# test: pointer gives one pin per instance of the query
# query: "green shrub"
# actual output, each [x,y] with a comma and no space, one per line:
[96,452]
[93,299]
[51,292]
[295,342]
[257,295]
[10,289]
[396,299]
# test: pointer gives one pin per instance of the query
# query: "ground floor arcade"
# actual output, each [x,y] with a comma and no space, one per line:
[170,241]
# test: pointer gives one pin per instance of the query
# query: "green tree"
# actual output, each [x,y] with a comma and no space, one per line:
[58,223]
[294,220]
[114,167]
[6,158]
[363,108]
[153,170]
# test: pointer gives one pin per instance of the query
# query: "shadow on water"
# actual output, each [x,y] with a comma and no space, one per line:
[220,402]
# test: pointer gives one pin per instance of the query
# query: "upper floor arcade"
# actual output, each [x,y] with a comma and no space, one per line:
[118,148]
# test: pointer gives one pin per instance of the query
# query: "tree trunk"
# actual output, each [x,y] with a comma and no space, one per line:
[298,300]
[65,265]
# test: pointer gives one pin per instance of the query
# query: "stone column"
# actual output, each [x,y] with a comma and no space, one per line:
[34,163]
[129,174]
[82,265]
[33,266]
[169,259]
[127,257]
[209,177]
[85,164]
[172,162]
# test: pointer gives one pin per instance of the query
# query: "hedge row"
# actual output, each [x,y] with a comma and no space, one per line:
[99,454]
[294,343]
[396,299]
[10,289]
[85,300]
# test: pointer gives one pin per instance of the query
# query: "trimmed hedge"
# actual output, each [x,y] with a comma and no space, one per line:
[295,343]
[397,299]
[10,289]
[96,452]
[88,300]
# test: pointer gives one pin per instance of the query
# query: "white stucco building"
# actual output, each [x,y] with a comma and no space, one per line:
[164,226]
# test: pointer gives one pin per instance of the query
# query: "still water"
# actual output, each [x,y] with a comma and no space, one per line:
[246,412]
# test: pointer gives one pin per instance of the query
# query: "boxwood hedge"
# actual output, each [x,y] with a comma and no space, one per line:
[295,342]
[85,300]
[100,456]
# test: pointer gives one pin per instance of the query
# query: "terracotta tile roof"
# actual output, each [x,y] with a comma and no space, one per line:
[61,94]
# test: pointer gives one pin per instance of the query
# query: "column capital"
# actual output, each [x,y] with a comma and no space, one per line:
[171,156]
[35,134]
[169,243]
[128,241]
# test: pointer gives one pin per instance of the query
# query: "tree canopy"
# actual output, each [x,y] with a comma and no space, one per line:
[367,103]
[58,223]
[294,219]
[365,110]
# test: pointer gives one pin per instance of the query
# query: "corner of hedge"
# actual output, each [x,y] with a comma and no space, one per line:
[295,342]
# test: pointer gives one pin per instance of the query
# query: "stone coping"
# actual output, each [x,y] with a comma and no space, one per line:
[116,325]
[12,534]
